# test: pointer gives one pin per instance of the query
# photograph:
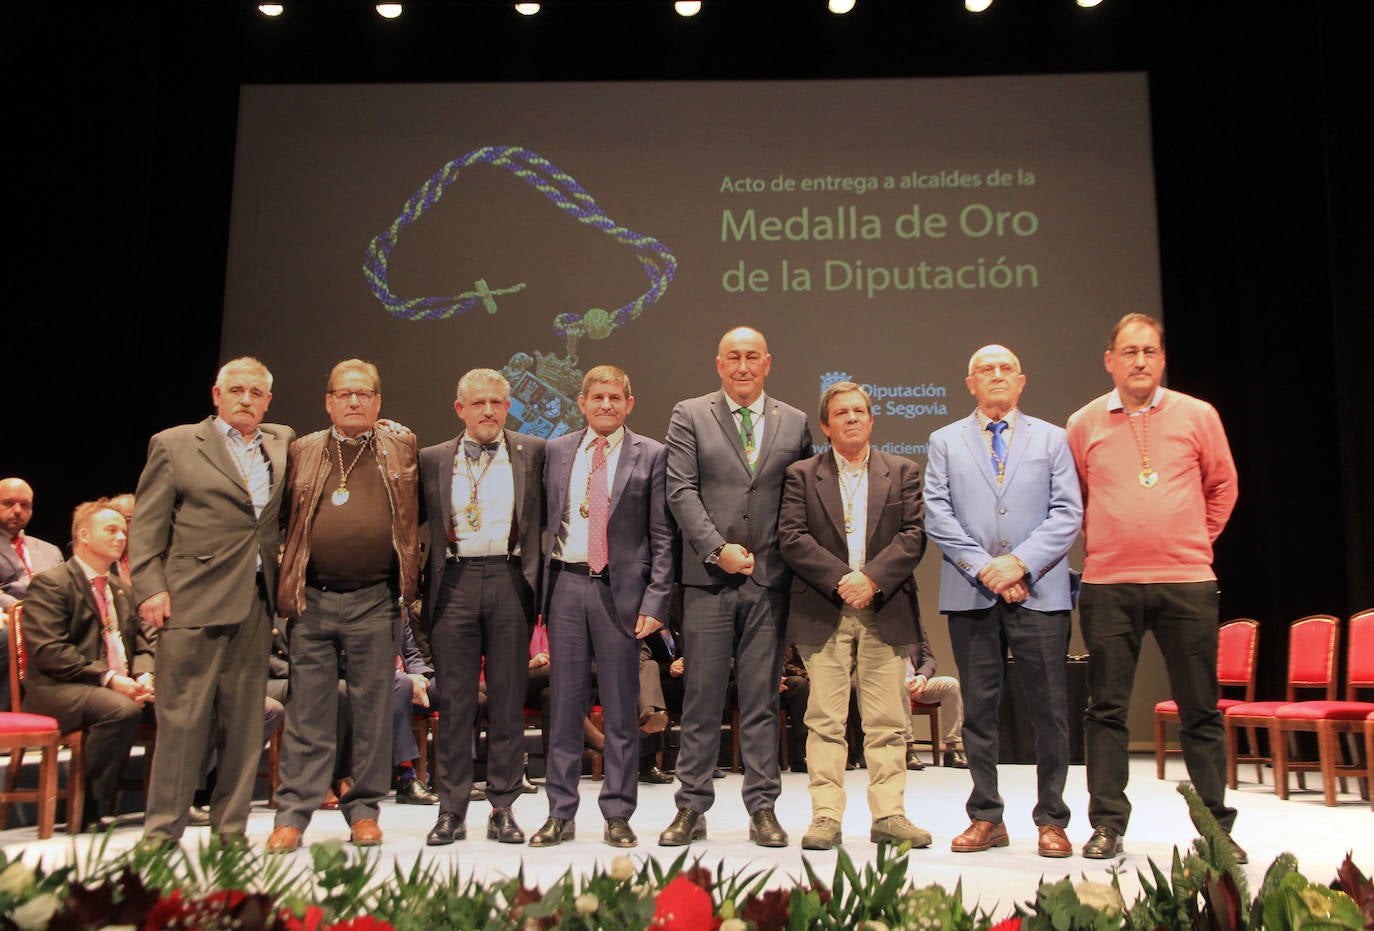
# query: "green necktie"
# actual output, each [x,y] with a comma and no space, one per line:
[746,433]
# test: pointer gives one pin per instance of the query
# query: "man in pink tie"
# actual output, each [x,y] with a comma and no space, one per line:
[607,583]
[21,556]
[89,664]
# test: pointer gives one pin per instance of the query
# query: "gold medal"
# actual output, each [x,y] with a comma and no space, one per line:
[1149,478]
[473,515]
[340,496]
[585,510]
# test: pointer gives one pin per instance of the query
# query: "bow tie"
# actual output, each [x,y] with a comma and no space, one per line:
[475,449]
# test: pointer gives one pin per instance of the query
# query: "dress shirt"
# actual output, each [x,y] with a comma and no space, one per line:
[572,536]
[495,498]
[111,615]
[853,481]
[1114,402]
[252,464]
[1009,418]
[756,412]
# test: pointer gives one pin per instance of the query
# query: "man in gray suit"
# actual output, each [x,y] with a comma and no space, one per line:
[727,454]
[608,581]
[1003,505]
[483,492]
[21,558]
[204,558]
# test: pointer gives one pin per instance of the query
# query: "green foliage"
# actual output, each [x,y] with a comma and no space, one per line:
[1299,904]
[1059,906]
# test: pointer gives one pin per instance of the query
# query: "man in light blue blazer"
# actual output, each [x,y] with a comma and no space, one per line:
[1003,504]
[608,579]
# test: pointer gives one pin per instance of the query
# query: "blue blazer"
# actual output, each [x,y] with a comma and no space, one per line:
[1034,514]
[639,530]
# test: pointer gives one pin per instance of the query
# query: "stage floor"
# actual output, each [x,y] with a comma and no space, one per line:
[995,880]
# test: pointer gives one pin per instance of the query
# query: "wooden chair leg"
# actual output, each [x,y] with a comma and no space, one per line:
[1252,734]
[1279,746]
[1328,755]
[47,792]
[76,784]
[11,781]
[1159,746]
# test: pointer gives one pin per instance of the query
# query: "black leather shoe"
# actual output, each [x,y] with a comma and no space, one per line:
[913,761]
[446,830]
[956,759]
[654,776]
[478,794]
[415,792]
[686,827]
[1103,845]
[764,829]
[198,816]
[619,834]
[553,832]
[501,826]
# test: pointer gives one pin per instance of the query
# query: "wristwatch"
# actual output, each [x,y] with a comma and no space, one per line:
[713,557]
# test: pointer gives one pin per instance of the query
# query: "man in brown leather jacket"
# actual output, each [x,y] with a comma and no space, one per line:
[350,565]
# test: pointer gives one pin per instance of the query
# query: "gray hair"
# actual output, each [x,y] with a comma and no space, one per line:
[474,377]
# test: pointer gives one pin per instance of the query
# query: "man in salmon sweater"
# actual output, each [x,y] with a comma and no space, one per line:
[1158,487]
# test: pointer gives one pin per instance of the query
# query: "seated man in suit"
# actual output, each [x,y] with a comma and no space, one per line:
[21,558]
[925,686]
[89,666]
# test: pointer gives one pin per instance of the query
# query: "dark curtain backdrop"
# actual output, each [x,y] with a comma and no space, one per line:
[122,122]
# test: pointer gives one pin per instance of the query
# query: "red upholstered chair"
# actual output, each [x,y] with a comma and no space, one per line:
[1312,644]
[1237,647]
[20,731]
[1330,719]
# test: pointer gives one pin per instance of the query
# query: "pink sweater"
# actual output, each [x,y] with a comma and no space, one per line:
[1159,534]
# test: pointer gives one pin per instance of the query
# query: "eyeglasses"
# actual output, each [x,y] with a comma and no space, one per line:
[1130,352]
[343,394]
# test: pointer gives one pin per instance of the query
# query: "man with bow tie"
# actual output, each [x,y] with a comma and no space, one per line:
[608,579]
[483,493]
[89,664]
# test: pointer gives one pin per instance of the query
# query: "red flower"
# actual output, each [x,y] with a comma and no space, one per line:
[1008,924]
[684,906]
[362,923]
[310,921]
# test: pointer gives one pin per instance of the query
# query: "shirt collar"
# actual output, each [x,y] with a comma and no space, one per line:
[1009,418]
[85,567]
[612,441]
[844,465]
[1114,402]
[227,430]
[340,438]
[756,409]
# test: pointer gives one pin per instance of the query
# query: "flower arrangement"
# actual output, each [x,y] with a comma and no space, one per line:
[343,890]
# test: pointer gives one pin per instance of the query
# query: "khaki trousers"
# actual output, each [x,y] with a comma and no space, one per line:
[878,669]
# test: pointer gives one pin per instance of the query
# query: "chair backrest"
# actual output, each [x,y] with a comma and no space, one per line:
[1237,648]
[1313,643]
[1359,656]
[18,658]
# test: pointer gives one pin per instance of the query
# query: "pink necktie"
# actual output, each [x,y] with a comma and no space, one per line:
[114,649]
[599,508]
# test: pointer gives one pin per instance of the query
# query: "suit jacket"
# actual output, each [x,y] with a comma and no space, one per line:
[639,530]
[1034,514]
[815,546]
[196,535]
[63,632]
[436,478]
[14,575]
[714,497]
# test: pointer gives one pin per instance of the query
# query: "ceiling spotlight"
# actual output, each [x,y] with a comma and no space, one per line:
[840,6]
[687,7]
[1088,3]
[270,9]
[527,9]
[388,10]
[977,6]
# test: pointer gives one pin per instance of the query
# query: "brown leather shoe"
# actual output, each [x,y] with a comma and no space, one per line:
[284,839]
[366,833]
[653,721]
[1054,842]
[979,836]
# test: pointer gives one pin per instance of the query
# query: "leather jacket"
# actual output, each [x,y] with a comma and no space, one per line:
[307,471]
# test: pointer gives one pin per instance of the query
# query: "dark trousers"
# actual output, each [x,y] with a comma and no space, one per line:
[484,610]
[210,680]
[1183,616]
[111,723]
[364,626]
[1039,640]
[720,624]
[581,622]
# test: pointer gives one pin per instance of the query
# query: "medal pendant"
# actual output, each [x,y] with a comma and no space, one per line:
[585,510]
[339,497]
[473,515]
[1149,478]
[848,523]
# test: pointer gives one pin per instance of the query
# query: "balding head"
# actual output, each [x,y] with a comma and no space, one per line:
[16,505]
